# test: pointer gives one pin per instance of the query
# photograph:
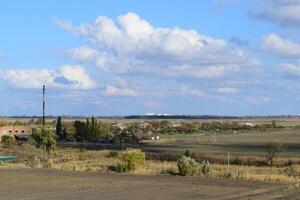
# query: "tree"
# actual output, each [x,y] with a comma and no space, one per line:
[59,128]
[273,149]
[81,130]
[44,138]
[65,134]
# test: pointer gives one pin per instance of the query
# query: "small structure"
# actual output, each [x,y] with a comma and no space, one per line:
[144,125]
[120,126]
[15,131]
[249,124]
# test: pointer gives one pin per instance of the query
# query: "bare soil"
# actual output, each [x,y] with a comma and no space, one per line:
[33,184]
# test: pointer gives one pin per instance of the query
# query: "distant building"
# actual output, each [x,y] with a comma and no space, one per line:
[144,125]
[15,130]
[249,124]
[120,126]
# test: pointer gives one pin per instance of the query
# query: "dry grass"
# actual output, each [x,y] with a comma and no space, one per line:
[97,161]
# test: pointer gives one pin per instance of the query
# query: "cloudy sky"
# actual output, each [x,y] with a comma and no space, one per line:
[123,57]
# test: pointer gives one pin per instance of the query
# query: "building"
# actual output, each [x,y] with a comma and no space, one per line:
[15,130]
[248,124]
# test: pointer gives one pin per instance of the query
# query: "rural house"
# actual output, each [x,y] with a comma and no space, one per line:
[15,130]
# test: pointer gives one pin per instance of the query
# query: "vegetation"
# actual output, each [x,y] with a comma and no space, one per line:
[91,131]
[58,129]
[187,166]
[8,140]
[273,149]
[248,151]
[43,138]
[132,160]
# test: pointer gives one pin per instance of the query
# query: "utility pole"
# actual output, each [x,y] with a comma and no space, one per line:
[44,106]
[228,162]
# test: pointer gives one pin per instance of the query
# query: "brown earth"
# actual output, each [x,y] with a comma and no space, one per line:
[33,184]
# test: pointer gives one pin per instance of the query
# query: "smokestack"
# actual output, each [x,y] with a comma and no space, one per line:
[43,106]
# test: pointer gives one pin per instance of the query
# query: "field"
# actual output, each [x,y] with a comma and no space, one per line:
[59,185]
[78,173]
[245,144]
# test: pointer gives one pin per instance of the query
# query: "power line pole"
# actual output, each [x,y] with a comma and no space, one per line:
[44,106]
[228,162]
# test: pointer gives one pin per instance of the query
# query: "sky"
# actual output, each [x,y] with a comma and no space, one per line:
[128,57]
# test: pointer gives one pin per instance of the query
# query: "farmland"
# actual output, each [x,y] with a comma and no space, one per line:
[250,143]
[237,159]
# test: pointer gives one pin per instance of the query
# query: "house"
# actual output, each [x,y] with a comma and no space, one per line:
[248,124]
[15,131]
[120,126]
[144,125]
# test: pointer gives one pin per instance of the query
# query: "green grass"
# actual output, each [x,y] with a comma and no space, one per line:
[245,144]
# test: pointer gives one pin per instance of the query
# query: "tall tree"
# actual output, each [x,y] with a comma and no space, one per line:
[59,128]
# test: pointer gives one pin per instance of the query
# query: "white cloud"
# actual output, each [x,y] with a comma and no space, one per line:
[197,93]
[280,46]
[290,69]
[67,76]
[227,90]
[112,90]
[283,12]
[185,90]
[132,45]
[258,99]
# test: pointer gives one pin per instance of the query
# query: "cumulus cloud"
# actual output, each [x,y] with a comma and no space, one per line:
[280,46]
[131,44]
[67,76]
[290,69]
[282,12]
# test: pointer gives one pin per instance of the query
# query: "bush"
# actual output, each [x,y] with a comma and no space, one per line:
[132,160]
[205,168]
[117,168]
[44,138]
[273,149]
[8,140]
[34,162]
[49,163]
[187,166]
[112,154]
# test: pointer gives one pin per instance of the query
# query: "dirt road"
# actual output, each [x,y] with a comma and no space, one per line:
[33,184]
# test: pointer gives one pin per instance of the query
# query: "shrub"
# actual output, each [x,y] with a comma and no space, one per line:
[117,168]
[273,149]
[187,166]
[8,140]
[49,164]
[133,159]
[44,138]
[34,162]
[205,168]
[112,154]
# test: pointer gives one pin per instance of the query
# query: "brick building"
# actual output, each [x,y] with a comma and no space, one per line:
[15,130]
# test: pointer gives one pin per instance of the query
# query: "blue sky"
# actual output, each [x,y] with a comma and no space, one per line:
[219,57]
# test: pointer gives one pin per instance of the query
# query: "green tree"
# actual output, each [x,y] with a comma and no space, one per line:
[59,128]
[44,138]
[82,132]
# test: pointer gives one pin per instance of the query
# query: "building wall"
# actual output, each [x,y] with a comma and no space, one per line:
[15,130]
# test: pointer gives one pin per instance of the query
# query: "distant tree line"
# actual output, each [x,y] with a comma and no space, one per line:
[93,130]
